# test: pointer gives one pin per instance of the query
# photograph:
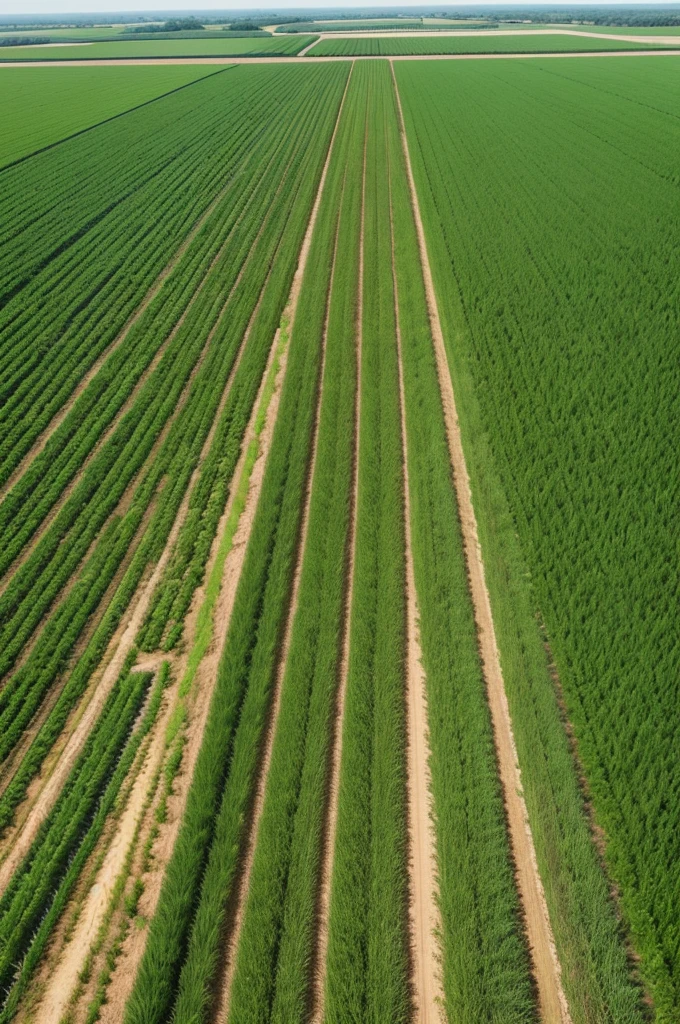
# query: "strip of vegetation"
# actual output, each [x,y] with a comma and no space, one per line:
[367,974]
[227,761]
[540,364]
[486,972]
[524,43]
[272,978]
[37,895]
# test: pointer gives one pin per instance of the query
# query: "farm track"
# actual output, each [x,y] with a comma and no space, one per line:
[153,291]
[65,977]
[225,983]
[328,850]
[424,916]
[309,59]
[546,967]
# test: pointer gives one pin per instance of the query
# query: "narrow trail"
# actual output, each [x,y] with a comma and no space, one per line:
[153,291]
[424,916]
[547,972]
[328,853]
[65,976]
[225,984]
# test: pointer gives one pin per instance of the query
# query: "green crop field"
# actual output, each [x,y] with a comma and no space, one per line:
[52,103]
[490,42]
[225,46]
[339,408]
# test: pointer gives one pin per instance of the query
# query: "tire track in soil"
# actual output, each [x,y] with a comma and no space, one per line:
[225,983]
[65,976]
[424,916]
[319,956]
[546,968]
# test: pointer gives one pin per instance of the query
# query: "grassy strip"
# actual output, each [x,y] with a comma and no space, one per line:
[486,971]
[246,671]
[40,889]
[595,974]
[368,970]
[272,973]
[490,43]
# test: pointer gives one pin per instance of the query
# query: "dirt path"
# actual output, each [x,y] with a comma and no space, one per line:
[65,976]
[328,853]
[153,291]
[424,916]
[225,984]
[489,34]
[547,973]
[310,59]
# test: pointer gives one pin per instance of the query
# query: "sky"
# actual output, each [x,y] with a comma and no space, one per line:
[105,6]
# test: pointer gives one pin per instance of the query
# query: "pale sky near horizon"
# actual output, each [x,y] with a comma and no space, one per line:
[28,7]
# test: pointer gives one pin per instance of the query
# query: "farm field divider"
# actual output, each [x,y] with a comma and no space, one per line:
[489,351]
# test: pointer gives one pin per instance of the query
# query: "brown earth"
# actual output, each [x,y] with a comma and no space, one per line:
[547,973]
[225,983]
[424,916]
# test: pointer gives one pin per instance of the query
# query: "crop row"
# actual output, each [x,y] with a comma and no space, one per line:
[79,303]
[276,952]
[556,272]
[187,927]
[40,888]
[367,971]
[220,337]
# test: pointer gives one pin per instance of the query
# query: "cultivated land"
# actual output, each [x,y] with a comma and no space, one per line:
[489,42]
[338,499]
[150,48]
[56,102]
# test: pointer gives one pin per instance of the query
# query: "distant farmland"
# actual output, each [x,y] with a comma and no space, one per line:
[339,514]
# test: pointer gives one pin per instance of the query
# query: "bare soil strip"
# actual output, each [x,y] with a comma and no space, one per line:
[547,972]
[424,916]
[310,58]
[65,976]
[226,982]
[466,33]
[153,291]
[328,853]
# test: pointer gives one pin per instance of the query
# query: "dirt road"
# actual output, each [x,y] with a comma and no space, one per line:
[424,917]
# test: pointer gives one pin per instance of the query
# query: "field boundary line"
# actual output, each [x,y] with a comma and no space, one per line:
[107,120]
[424,915]
[546,966]
[241,896]
[320,954]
